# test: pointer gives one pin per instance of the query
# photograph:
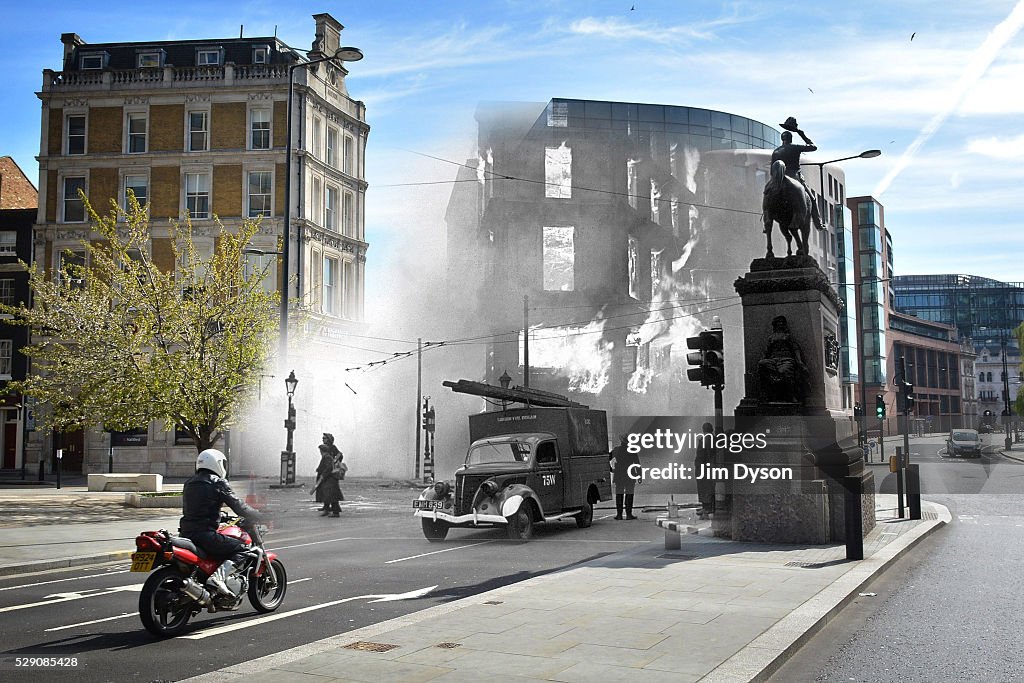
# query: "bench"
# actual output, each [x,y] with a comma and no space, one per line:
[673,527]
[125,482]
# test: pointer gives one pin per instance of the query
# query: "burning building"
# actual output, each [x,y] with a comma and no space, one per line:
[611,232]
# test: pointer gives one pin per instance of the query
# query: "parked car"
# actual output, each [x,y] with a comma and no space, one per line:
[965,442]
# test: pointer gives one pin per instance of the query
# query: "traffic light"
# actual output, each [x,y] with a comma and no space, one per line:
[425,415]
[908,399]
[709,358]
[428,421]
[856,410]
[880,406]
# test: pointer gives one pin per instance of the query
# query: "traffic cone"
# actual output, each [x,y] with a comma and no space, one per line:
[252,498]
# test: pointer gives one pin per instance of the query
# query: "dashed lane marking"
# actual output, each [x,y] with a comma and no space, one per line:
[87,623]
[446,550]
[73,578]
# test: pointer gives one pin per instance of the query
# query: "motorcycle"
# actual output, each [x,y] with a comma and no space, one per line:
[175,592]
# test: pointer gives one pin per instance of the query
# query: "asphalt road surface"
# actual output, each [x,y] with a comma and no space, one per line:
[339,570]
[950,609]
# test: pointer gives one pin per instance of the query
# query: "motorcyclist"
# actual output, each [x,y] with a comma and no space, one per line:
[202,497]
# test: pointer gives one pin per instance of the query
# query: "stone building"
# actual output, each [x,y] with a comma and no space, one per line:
[199,128]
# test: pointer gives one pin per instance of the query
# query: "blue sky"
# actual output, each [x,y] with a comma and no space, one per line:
[945,108]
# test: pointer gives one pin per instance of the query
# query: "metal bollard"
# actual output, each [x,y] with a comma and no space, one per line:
[914,491]
[42,470]
[854,522]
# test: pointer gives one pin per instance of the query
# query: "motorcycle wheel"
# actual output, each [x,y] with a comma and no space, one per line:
[163,608]
[263,596]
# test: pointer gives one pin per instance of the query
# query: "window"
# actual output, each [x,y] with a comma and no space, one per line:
[259,193]
[316,270]
[330,284]
[547,454]
[260,55]
[6,349]
[989,377]
[981,376]
[74,207]
[139,185]
[208,57]
[260,129]
[93,61]
[558,172]
[331,209]
[72,263]
[346,215]
[149,59]
[316,215]
[8,243]
[558,114]
[317,138]
[332,147]
[137,124]
[7,291]
[76,134]
[197,194]
[348,300]
[348,160]
[198,131]
[559,255]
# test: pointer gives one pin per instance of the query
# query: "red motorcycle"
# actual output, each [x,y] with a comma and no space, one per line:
[176,591]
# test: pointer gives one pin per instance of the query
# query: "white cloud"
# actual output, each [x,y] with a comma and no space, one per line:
[997,148]
[620,29]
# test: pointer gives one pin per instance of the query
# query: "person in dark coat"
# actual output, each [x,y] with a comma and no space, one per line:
[327,486]
[328,440]
[621,459]
[705,458]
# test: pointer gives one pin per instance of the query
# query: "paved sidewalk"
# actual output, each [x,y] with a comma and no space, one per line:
[712,611]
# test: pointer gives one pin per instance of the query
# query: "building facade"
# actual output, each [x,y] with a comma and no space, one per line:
[198,129]
[622,227]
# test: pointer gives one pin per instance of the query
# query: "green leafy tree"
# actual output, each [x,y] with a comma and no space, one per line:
[119,341]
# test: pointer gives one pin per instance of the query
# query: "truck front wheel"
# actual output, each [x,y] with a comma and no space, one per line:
[520,523]
[434,531]
[586,516]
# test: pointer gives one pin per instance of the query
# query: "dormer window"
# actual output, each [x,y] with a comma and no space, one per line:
[96,60]
[261,55]
[207,57]
[151,59]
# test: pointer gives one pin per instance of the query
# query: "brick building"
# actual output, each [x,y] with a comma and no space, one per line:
[198,128]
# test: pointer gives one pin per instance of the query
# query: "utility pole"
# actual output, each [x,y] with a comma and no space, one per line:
[419,398]
[526,341]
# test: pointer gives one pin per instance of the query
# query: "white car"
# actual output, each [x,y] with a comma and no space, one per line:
[964,442]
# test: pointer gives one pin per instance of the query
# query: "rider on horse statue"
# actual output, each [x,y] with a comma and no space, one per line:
[789,153]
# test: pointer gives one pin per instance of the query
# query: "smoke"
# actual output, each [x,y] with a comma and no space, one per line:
[976,67]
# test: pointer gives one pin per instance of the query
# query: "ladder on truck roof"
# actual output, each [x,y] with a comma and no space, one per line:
[533,397]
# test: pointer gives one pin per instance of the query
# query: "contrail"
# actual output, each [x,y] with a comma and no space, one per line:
[980,61]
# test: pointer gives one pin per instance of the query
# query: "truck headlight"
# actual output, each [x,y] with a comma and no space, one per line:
[442,489]
[490,487]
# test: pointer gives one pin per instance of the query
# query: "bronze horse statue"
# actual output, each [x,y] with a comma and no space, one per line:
[785,202]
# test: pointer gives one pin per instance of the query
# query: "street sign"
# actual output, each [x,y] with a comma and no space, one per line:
[872,444]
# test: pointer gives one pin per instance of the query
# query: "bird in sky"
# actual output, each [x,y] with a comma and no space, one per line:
[913,34]
[812,92]
[632,8]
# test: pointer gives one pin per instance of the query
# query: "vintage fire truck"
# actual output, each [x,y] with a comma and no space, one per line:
[544,460]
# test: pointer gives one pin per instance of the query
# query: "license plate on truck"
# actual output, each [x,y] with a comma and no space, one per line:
[427,504]
[143,562]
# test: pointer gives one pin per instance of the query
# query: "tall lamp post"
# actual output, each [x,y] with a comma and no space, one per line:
[342,54]
[1007,412]
[288,454]
[862,370]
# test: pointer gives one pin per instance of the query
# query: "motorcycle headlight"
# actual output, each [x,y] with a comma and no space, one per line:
[442,489]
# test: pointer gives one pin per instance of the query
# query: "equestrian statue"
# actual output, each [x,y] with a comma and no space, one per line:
[787,199]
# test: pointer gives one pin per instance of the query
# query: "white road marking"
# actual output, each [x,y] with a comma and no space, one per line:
[606,517]
[94,621]
[73,578]
[65,597]
[227,628]
[446,550]
[308,578]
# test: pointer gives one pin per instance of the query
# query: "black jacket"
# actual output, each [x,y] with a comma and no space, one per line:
[202,497]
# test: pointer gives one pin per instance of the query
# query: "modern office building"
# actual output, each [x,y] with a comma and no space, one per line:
[622,227]
[198,128]
[986,313]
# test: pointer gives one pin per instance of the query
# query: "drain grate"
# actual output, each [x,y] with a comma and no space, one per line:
[367,646]
[448,646]
[671,556]
[493,602]
[810,565]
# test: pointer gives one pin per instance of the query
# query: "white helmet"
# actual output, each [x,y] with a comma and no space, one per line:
[213,460]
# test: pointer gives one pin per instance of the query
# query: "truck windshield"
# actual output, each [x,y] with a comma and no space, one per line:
[508,451]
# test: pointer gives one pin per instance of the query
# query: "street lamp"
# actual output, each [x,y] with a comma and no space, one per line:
[342,54]
[288,454]
[1006,389]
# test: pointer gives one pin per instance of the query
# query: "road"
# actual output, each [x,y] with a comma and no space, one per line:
[949,610]
[375,549]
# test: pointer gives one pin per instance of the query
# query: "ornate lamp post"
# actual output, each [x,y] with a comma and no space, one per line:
[288,455]
[342,54]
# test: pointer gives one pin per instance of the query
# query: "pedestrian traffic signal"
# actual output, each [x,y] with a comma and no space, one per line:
[880,406]
[709,358]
